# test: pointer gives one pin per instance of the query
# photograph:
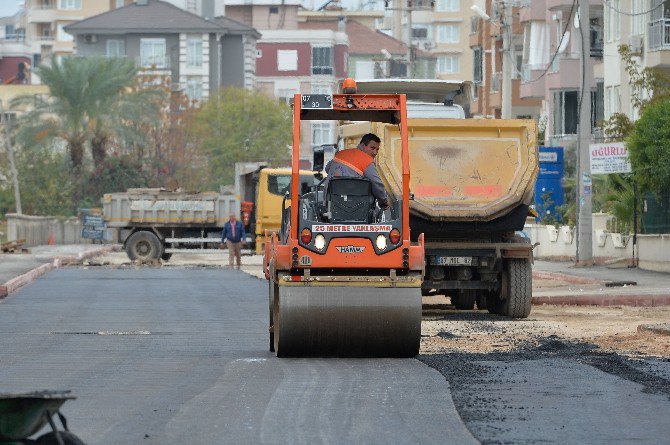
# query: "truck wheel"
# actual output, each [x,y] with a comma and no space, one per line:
[465,299]
[143,245]
[517,303]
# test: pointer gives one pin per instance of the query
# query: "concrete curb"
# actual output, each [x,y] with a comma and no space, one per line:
[642,300]
[572,279]
[59,261]
[658,329]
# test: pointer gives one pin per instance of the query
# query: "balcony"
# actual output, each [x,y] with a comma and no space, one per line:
[41,14]
[535,11]
[532,82]
[658,55]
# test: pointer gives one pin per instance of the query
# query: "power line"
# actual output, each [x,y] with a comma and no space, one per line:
[558,47]
[630,14]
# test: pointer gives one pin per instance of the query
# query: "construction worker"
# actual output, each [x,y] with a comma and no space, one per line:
[359,162]
[233,236]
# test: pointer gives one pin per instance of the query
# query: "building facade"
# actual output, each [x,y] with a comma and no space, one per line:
[489,55]
[551,63]
[196,55]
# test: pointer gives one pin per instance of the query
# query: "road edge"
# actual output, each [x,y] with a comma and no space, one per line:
[59,261]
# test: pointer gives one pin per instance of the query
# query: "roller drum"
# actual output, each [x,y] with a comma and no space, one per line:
[346,321]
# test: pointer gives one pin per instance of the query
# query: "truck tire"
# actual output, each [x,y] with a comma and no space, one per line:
[465,299]
[144,245]
[517,303]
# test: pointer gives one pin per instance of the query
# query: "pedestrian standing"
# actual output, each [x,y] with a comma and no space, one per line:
[233,236]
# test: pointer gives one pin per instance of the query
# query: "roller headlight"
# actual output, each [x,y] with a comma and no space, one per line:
[381,242]
[320,242]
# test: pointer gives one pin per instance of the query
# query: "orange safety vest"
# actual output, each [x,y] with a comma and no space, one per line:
[355,159]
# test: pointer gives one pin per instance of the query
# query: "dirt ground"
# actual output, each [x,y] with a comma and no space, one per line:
[613,329]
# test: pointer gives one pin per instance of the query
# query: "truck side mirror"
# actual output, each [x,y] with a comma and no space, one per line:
[317,163]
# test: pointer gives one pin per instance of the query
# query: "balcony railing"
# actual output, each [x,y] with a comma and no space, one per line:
[659,34]
[496,80]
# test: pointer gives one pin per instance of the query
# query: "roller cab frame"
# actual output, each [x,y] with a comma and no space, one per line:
[340,287]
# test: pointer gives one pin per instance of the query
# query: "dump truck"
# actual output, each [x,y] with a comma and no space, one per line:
[472,183]
[344,276]
[155,223]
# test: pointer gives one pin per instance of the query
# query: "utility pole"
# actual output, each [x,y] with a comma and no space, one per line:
[506,23]
[584,253]
[397,19]
[5,120]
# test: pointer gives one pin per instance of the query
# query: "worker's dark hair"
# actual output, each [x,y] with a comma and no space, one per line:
[365,140]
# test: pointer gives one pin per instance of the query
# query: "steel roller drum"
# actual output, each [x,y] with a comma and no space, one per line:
[346,321]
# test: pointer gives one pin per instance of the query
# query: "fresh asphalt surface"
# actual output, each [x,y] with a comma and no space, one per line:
[179,356]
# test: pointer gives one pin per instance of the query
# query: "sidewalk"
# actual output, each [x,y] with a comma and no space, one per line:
[563,283]
[18,269]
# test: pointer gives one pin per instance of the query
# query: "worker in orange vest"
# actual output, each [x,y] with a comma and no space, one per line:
[359,162]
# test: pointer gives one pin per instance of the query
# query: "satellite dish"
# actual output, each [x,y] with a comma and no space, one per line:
[576,19]
[564,42]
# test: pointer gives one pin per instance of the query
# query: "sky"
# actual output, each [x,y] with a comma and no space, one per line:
[8,7]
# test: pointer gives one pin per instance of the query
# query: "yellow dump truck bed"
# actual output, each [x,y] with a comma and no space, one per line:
[461,169]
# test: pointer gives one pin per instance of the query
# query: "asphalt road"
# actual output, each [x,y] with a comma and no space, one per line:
[175,356]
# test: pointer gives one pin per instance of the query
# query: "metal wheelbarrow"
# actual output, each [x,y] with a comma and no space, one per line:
[24,414]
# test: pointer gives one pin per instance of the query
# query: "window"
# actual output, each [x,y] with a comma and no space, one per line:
[637,21]
[419,33]
[613,20]
[448,64]
[477,64]
[115,48]
[322,133]
[287,60]
[447,33]
[119,3]
[63,36]
[194,53]
[565,112]
[152,53]
[448,5]
[322,60]
[69,4]
[280,184]
[194,88]
[9,31]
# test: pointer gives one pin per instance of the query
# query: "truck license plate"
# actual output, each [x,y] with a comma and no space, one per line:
[454,261]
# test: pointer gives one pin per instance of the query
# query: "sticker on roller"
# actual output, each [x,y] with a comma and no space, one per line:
[305,260]
[350,249]
[349,228]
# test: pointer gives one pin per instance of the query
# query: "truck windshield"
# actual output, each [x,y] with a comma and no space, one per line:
[280,184]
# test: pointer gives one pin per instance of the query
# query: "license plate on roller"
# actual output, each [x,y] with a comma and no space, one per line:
[454,261]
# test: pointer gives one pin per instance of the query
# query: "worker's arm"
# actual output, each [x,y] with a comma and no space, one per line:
[224,233]
[378,189]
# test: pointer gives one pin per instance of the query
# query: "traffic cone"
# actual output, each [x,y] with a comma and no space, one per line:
[52,238]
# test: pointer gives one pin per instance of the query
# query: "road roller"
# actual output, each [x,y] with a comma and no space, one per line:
[344,276]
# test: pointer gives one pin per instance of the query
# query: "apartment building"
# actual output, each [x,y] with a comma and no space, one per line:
[42,23]
[443,31]
[644,25]
[551,61]
[488,57]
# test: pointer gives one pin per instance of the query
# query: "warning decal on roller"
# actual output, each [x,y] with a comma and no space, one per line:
[358,228]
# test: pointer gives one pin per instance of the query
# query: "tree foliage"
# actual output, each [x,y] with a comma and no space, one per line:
[649,147]
[238,125]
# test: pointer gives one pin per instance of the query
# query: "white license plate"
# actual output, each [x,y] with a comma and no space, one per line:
[454,261]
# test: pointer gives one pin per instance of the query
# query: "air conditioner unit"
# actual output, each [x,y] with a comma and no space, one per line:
[428,45]
[90,38]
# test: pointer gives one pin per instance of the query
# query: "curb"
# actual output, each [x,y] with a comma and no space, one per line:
[17,282]
[572,279]
[640,300]
[658,329]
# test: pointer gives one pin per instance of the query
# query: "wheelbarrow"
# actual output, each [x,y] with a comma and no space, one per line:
[22,415]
